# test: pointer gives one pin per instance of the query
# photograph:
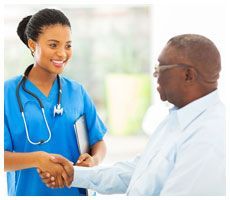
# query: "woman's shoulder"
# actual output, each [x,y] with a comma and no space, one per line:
[70,84]
[12,82]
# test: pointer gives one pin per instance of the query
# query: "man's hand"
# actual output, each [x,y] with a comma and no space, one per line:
[67,175]
[86,160]
[44,164]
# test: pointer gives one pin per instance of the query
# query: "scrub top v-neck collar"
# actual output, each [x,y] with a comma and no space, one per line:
[33,88]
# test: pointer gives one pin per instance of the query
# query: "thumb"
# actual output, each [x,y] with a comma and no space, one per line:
[60,160]
[56,159]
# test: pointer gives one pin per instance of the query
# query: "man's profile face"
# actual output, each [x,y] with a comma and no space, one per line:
[170,80]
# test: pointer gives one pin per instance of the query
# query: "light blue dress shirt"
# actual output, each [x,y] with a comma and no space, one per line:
[185,156]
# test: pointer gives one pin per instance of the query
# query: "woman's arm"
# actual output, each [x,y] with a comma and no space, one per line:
[98,151]
[18,161]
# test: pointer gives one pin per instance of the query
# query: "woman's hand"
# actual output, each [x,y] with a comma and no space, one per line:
[55,171]
[54,181]
[86,160]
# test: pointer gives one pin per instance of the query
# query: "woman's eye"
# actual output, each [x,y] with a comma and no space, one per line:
[52,45]
[68,46]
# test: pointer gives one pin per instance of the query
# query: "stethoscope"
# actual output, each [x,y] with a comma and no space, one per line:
[57,109]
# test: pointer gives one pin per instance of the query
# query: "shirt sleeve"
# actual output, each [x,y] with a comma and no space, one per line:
[96,127]
[105,180]
[8,146]
[199,170]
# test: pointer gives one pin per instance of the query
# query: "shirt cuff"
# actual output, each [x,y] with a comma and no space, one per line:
[81,177]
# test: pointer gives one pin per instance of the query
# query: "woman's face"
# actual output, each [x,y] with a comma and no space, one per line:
[53,48]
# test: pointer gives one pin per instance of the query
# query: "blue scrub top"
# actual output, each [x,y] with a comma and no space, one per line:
[75,101]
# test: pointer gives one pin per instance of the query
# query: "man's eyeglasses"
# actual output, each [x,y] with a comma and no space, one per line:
[160,68]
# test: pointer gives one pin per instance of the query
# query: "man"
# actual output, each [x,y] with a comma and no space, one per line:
[186,154]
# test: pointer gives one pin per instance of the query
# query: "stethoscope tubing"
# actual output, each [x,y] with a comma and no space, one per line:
[22,83]
[27,133]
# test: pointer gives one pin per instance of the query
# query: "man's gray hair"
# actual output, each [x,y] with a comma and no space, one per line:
[201,52]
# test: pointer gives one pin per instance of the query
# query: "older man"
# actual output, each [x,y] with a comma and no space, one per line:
[186,154]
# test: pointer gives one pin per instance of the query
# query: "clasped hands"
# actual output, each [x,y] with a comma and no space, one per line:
[57,172]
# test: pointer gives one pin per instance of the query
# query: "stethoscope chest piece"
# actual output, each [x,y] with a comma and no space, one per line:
[58,110]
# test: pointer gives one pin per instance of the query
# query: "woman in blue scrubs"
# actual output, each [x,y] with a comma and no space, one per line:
[30,138]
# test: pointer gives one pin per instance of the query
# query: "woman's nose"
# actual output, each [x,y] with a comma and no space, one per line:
[61,53]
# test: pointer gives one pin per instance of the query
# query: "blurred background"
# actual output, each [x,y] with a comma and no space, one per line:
[114,50]
[111,58]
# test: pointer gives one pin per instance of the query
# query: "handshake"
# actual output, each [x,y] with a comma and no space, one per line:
[57,172]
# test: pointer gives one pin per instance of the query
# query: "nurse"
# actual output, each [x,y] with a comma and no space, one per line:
[31,136]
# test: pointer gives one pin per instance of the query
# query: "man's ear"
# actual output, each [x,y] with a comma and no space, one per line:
[31,45]
[190,75]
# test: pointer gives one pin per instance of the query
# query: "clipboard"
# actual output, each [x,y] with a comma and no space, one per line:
[81,133]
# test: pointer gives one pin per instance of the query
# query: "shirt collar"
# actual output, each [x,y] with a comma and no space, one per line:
[189,112]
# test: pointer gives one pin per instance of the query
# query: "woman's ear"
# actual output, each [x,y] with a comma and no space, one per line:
[190,75]
[31,45]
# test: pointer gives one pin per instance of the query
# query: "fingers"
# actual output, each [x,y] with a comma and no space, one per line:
[86,163]
[67,173]
[69,169]
[60,160]
[47,178]
[68,165]
[61,172]
[65,177]
[60,181]
[68,180]
[44,174]
[85,160]
[49,182]
[52,182]
[60,177]
[83,157]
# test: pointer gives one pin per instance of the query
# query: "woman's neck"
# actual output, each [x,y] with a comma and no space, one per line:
[42,78]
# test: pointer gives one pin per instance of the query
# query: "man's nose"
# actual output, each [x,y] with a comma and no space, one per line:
[155,74]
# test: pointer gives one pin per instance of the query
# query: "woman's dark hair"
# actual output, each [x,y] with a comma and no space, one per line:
[32,25]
